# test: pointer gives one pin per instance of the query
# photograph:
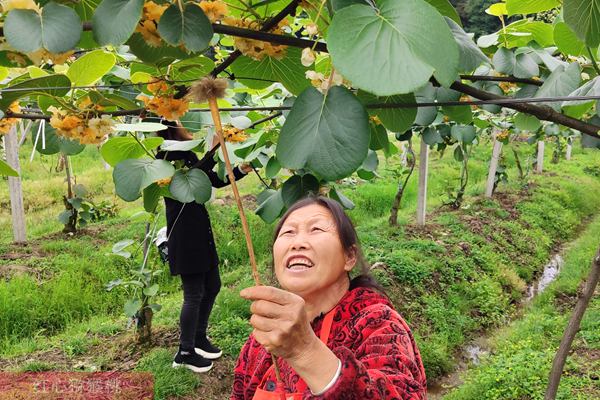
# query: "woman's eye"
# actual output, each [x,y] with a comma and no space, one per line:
[316,228]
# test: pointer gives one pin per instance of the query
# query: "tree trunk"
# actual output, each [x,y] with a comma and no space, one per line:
[143,330]
[422,196]
[518,162]
[572,328]
[71,225]
[17,208]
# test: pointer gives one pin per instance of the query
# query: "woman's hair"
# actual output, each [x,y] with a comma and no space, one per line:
[346,233]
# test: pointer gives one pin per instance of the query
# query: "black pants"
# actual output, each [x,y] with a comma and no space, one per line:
[199,294]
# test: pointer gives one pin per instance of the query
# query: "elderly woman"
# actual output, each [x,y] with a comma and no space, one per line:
[334,337]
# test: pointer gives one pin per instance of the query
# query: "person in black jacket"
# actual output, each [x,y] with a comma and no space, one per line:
[193,256]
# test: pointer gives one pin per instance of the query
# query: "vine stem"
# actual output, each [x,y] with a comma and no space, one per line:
[214,110]
[594,63]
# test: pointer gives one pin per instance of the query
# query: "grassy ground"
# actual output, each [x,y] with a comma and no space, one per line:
[462,274]
[518,367]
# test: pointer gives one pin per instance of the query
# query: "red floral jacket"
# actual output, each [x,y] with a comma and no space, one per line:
[380,359]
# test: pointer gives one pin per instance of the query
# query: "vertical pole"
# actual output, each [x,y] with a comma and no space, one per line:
[423,168]
[569,150]
[539,168]
[14,186]
[489,189]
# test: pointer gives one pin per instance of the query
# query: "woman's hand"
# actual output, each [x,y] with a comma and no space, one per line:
[280,321]
[281,325]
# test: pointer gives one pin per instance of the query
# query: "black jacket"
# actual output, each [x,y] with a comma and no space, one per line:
[191,243]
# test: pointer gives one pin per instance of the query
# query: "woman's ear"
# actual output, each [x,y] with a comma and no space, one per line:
[351,258]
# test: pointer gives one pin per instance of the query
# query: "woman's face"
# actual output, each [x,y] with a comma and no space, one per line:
[308,253]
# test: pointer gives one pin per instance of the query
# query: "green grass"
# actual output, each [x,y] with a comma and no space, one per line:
[167,380]
[451,282]
[523,352]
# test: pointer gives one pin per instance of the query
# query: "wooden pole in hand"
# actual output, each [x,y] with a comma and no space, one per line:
[210,89]
[214,110]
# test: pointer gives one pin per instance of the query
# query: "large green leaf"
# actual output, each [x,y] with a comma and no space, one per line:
[530,6]
[339,4]
[297,187]
[583,16]
[92,66]
[153,55]
[394,50]
[460,114]
[115,20]
[288,71]
[526,122]
[133,175]
[327,134]
[338,196]
[379,138]
[520,65]
[52,143]
[561,82]
[463,133]
[57,29]
[520,33]
[578,108]
[426,115]
[117,149]
[191,185]
[271,206]
[6,170]
[191,69]
[471,55]
[394,119]
[52,85]
[446,9]
[86,8]
[567,41]
[188,27]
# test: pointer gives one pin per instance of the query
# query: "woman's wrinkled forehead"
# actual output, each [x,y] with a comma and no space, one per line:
[309,213]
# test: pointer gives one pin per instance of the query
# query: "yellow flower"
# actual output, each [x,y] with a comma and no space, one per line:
[158,86]
[166,106]
[308,57]
[7,123]
[16,58]
[163,182]
[234,135]
[375,119]
[214,10]
[153,11]
[149,32]
[86,103]
[42,56]
[147,26]
[257,49]
[87,131]
[8,5]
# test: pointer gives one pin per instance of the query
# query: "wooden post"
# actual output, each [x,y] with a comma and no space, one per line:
[11,146]
[422,196]
[569,150]
[539,168]
[489,189]
[571,330]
